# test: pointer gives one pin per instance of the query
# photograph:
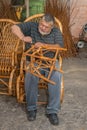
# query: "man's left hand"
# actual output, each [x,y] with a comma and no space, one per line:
[38,44]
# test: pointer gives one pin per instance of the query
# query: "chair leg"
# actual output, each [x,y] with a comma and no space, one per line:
[12,83]
[20,89]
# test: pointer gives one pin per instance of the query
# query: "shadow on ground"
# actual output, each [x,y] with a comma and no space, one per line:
[73,113]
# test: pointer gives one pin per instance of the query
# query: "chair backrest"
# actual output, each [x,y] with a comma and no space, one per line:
[8,44]
[37,17]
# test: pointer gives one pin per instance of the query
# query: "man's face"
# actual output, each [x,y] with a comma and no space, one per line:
[45,27]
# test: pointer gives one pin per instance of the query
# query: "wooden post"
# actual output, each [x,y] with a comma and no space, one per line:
[27,8]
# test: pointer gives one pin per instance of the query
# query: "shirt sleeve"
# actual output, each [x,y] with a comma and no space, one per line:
[25,28]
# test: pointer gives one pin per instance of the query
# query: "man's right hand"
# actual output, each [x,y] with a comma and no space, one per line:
[27,39]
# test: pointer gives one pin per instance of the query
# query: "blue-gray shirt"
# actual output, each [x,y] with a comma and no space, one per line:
[31,29]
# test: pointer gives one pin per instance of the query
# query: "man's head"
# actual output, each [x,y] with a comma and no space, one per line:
[46,24]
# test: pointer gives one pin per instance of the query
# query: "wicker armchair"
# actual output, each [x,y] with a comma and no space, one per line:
[43,82]
[10,53]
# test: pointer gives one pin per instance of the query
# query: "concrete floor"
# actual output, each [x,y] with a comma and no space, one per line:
[73,113]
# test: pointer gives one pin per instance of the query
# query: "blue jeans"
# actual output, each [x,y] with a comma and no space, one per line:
[31,90]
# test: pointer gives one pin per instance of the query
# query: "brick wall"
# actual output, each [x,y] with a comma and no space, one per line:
[78,11]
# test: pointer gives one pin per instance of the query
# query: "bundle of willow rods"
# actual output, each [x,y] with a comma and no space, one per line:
[61,10]
[6,11]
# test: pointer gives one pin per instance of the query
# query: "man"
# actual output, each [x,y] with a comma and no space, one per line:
[42,33]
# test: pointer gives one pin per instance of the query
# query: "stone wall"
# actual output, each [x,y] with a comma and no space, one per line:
[78,17]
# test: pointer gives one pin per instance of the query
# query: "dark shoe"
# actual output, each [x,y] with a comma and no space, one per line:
[53,118]
[32,115]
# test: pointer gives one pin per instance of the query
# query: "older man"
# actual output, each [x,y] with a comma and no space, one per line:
[42,33]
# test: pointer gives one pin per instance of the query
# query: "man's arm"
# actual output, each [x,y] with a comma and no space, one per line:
[39,44]
[17,31]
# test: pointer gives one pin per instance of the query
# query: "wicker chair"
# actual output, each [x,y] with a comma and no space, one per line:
[10,54]
[43,82]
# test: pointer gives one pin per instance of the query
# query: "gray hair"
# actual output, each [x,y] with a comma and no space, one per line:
[48,18]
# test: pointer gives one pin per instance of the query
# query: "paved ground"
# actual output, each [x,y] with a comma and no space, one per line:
[73,113]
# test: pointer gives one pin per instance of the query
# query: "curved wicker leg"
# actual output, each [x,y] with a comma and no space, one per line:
[20,89]
[12,82]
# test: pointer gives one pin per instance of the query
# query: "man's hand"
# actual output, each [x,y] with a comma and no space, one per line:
[27,39]
[38,44]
